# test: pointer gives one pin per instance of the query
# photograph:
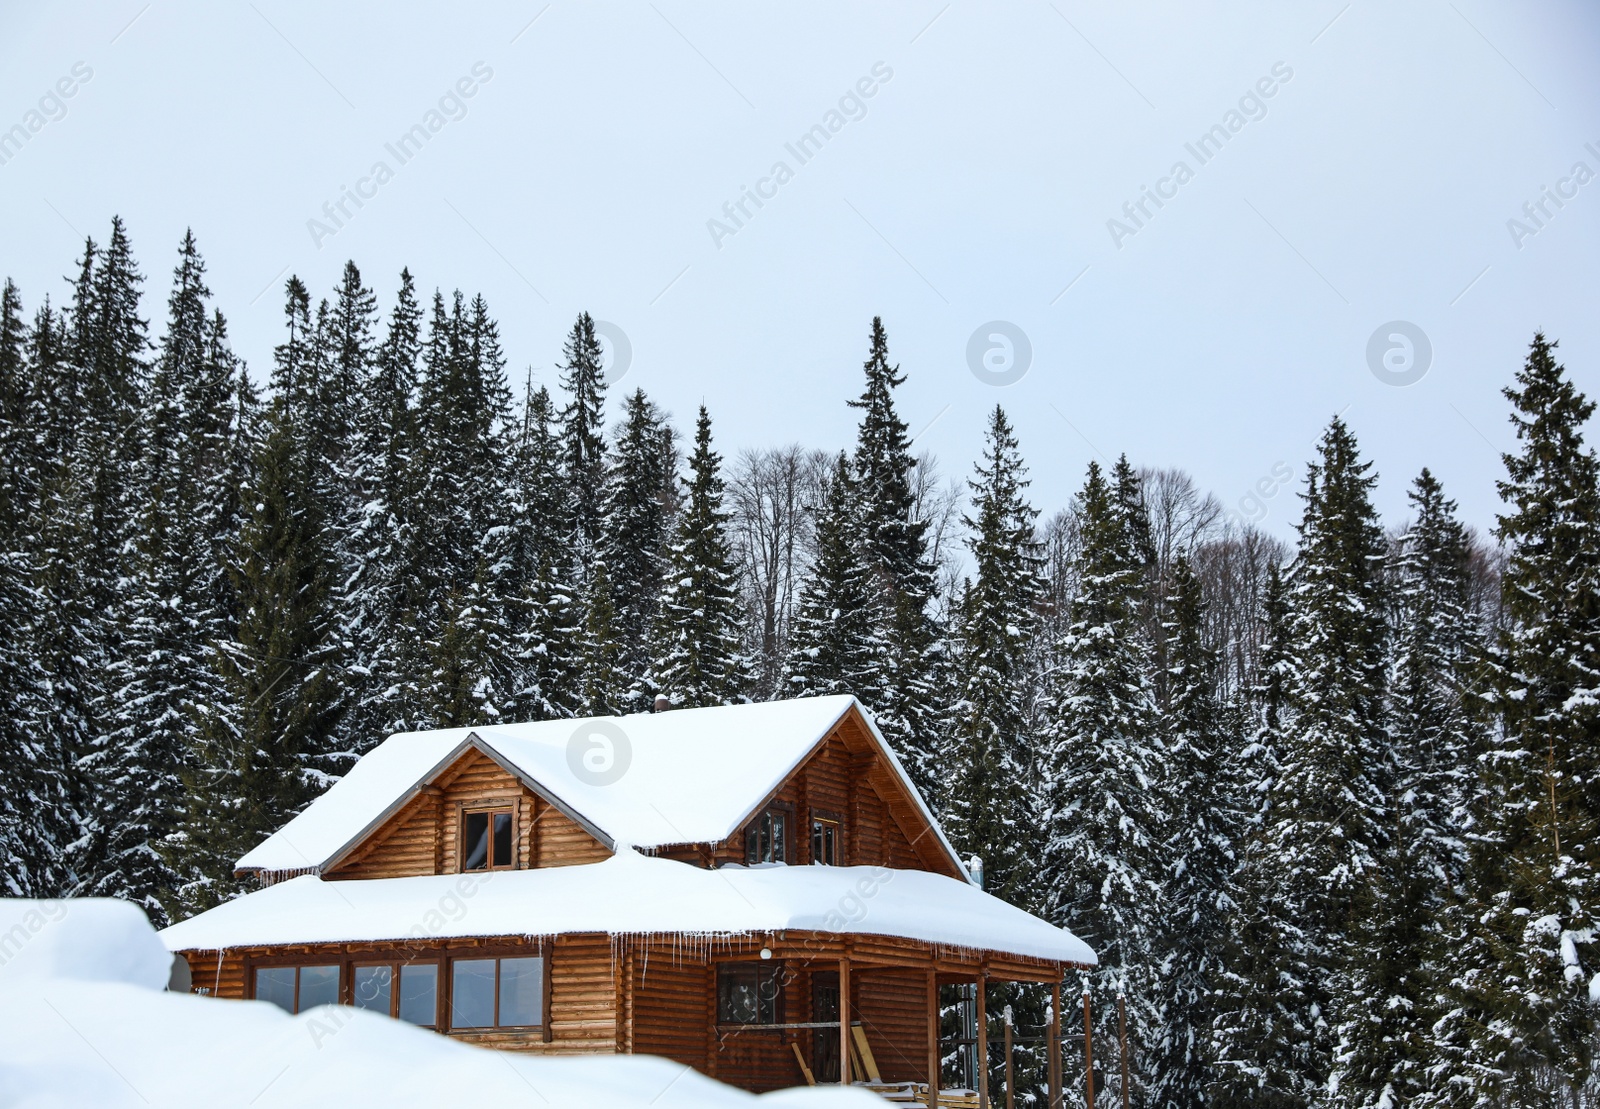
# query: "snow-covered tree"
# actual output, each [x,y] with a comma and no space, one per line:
[1526,1018]
[698,661]
[583,442]
[909,709]
[834,644]
[987,762]
[636,525]
[1204,819]
[1102,871]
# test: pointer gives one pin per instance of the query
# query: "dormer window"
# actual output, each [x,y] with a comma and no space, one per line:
[766,838]
[488,841]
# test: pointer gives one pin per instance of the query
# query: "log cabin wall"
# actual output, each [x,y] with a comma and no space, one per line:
[424,836]
[583,994]
[893,1009]
[667,1008]
[846,777]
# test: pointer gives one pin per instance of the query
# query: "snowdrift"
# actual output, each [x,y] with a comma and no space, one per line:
[85,1021]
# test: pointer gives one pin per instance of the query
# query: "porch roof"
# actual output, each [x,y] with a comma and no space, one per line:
[631,894]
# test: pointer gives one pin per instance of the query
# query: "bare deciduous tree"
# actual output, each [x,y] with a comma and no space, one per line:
[770,497]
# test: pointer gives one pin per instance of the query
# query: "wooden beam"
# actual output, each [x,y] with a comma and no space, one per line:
[1122,1021]
[1088,1051]
[981,1075]
[1055,1047]
[1011,1073]
[933,1039]
[844,1020]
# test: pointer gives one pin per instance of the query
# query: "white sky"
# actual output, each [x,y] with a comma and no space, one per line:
[1220,337]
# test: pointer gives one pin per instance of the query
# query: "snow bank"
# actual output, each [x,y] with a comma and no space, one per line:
[81,1024]
[631,894]
[97,940]
[686,776]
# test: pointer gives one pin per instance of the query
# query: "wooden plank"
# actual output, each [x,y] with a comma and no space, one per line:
[869,1065]
[799,1057]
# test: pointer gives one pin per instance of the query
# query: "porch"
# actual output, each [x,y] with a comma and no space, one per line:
[824,1008]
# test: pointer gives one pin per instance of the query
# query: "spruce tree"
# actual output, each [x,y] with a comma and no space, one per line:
[35,824]
[1204,820]
[172,594]
[583,439]
[636,526]
[908,708]
[1526,995]
[1255,1012]
[698,661]
[834,645]
[1103,864]
[1403,947]
[986,809]
[107,350]
[1319,849]
[266,749]
[382,585]
[543,615]
[605,684]
[62,643]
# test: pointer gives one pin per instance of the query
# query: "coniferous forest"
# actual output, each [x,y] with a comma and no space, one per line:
[1329,812]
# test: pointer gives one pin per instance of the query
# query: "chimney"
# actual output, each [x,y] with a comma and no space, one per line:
[663,703]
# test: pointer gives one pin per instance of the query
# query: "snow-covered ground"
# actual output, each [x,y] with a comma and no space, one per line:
[85,1021]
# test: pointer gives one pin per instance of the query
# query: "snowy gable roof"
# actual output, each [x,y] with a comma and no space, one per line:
[630,894]
[684,776]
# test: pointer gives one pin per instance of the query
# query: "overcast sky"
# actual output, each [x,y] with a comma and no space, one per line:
[1366,164]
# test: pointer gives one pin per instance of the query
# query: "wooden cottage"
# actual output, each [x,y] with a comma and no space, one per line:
[756,891]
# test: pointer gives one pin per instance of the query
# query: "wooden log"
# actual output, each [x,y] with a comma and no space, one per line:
[1122,1020]
[1055,1047]
[982,1068]
[844,1021]
[933,1039]
[1088,1052]
[1011,1073]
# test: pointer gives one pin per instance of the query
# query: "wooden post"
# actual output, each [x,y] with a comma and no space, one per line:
[844,1020]
[1122,1021]
[1088,1051]
[933,1039]
[981,1078]
[1053,1070]
[1011,1074]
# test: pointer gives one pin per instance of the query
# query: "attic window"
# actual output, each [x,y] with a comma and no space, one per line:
[766,839]
[487,842]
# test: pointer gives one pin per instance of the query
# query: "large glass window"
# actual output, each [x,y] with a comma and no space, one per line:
[374,989]
[748,993]
[497,993]
[296,989]
[419,994]
[766,840]
[487,842]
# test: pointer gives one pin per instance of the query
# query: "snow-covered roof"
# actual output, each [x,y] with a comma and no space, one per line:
[630,894]
[685,776]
